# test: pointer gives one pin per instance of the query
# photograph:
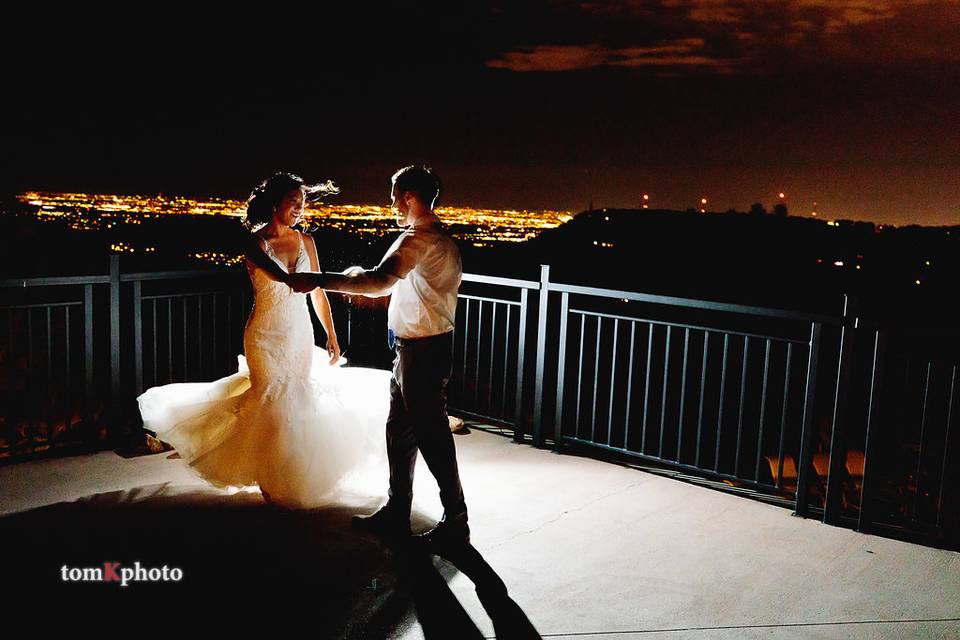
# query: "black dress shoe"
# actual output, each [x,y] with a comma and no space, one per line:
[387,521]
[448,534]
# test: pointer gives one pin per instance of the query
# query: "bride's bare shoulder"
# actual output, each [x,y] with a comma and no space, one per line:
[310,245]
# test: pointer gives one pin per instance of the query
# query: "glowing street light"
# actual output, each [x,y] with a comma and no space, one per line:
[703,205]
[646,201]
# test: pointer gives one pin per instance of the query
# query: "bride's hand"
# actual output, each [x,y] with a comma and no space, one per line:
[333,349]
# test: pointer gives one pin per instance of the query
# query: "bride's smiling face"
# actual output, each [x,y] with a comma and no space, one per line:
[290,209]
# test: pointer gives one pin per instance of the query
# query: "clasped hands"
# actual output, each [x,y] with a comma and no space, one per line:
[303,281]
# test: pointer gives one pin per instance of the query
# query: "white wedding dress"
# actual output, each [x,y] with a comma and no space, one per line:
[287,421]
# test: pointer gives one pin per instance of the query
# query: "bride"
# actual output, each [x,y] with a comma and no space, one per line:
[291,420]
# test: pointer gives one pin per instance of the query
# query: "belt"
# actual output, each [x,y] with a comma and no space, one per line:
[411,342]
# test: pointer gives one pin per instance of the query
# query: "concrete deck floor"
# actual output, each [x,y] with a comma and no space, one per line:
[587,550]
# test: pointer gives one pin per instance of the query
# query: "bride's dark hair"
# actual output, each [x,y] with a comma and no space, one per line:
[269,193]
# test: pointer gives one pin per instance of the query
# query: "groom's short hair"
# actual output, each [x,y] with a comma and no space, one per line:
[421,181]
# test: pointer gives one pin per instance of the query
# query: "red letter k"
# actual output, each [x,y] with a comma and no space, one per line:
[110,572]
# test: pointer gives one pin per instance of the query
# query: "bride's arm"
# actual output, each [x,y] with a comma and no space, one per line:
[255,254]
[321,304]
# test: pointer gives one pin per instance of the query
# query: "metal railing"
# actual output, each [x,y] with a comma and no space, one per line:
[831,415]
[686,401]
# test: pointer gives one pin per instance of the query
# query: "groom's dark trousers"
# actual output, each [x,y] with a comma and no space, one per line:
[418,420]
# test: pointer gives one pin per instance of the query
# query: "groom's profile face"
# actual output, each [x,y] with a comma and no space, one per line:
[399,206]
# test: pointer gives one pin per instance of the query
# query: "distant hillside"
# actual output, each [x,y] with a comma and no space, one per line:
[784,261]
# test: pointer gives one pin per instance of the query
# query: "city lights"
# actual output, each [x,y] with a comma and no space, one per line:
[94,212]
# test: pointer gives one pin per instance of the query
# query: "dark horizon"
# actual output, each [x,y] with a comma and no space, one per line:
[550,106]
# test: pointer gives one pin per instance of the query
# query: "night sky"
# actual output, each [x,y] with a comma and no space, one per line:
[854,104]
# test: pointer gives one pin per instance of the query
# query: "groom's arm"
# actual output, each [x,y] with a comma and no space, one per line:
[372,283]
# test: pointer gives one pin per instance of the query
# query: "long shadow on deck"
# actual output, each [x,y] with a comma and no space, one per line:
[237,548]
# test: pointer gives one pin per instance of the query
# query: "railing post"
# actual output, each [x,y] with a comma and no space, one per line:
[114,339]
[808,430]
[838,443]
[541,356]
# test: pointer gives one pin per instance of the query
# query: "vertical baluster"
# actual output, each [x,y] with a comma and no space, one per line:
[783,414]
[68,380]
[521,356]
[864,520]
[114,413]
[626,417]
[807,430]
[946,447]
[138,335]
[613,379]
[493,335]
[506,352]
[923,431]
[561,369]
[683,391]
[239,346]
[838,425]
[466,338]
[349,305]
[703,387]
[743,401]
[213,336]
[583,322]
[11,343]
[88,348]
[663,395]
[49,371]
[596,378]
[230,349]
[30,369]
[153,312]
[646,389]
[723,389]
[763,409]
[476,370]
[170,339]
[185,376]
[200,345]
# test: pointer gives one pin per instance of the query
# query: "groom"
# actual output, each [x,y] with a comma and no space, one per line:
[422,272]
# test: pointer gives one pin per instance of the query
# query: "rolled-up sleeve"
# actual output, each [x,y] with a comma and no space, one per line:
[403,256]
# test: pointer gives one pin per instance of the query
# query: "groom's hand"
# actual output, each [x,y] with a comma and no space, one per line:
[302,282]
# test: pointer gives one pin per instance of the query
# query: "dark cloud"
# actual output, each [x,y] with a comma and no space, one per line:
[727,36]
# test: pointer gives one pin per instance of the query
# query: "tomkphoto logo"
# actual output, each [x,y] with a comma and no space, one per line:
[123,575]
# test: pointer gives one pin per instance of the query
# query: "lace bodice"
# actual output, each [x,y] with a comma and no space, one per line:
[267,290]
[278,339]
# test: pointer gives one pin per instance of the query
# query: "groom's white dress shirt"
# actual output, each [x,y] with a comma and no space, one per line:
[424,303]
